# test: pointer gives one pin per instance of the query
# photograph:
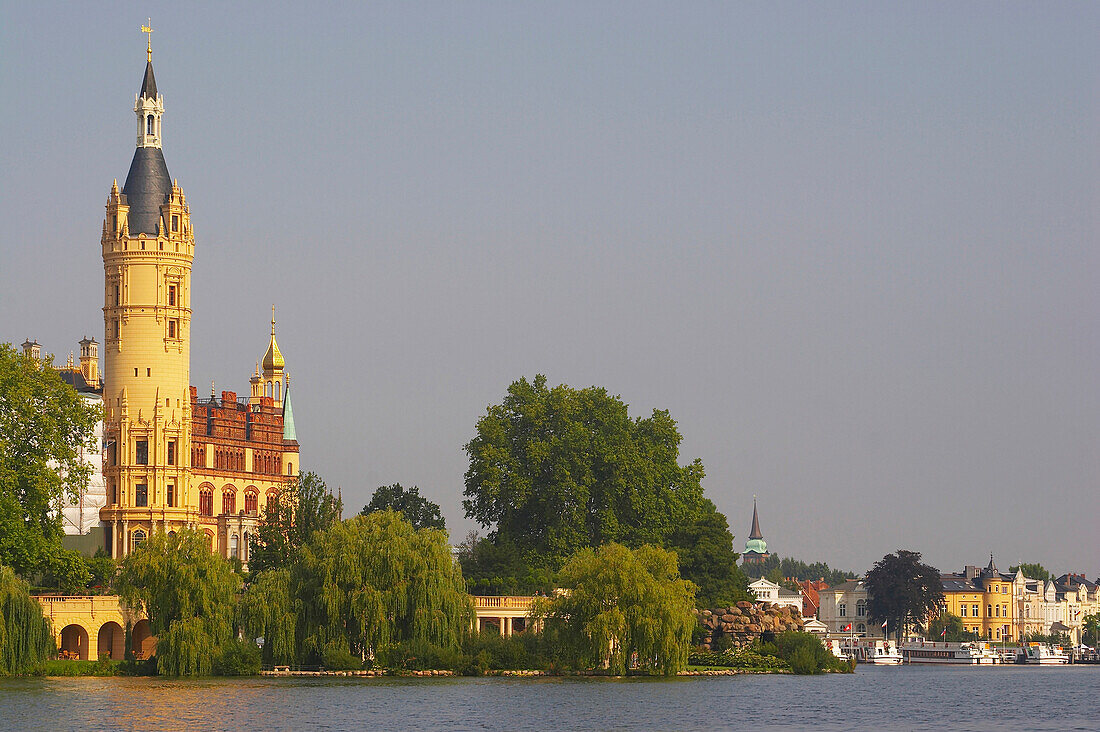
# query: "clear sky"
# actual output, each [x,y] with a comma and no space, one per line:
[852,247]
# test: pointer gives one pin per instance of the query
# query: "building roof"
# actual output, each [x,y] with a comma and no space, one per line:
[756,543]
[849,586]
[149,83]
[74,377]
[958,583]
[288,418]
[755,533]
[147,187]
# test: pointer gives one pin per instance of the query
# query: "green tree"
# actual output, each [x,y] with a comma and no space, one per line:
[499,568]
[417,510]
[956,631]
[796,569]
[704,548]
[25,637]
[1090,626]
[268,611]
[189,595]
[557,470]
[1033,571]
[371,582]
[44,423]
[622,607]
[306,505]
[903,590]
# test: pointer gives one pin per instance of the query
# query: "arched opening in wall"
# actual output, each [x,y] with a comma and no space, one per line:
[74,643]
[251,501]
[149,125]
[244,548]
[267,389]
[234,547]
[229,500]
[111,642]
[209,540]
[272,500]
[142,641]
[278,391]
[138,539]
[206,501]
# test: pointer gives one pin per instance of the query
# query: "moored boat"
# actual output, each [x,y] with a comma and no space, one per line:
[973,653]
[878,652]
[1045,654]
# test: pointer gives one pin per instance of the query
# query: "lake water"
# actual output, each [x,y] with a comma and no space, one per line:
[901,698]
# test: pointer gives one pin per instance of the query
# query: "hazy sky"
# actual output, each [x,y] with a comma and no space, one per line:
[851,247]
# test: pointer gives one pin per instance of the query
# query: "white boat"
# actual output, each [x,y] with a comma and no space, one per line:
[838,650]
[881,653]
[974,653]
[1045,654]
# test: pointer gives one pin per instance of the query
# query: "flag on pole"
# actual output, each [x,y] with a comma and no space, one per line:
[884,622]
[944,633]
[846,627]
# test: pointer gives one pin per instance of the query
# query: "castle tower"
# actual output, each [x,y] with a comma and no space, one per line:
[89,359]
[148,246]
[274,380]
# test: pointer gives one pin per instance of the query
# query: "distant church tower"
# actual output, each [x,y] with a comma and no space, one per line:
[148,247]
[756,549]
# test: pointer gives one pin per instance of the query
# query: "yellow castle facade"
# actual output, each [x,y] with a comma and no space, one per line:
[173,460]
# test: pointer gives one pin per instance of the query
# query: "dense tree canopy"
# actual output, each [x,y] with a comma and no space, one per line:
[25,636]
[373,581]
[417,510]
[499,568]
[622,607]
[948,627]
[903,590]
[305,506]
[557,470]
[1033,571]
[44,423]
[704,547]
[780,568]
[189,595]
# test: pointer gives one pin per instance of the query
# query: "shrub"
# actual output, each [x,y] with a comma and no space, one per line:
[340,659]
[238,658]
[804,652]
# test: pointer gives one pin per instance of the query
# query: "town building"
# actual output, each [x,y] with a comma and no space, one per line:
[756,549]
[766,591]
[174,460]
[846,605]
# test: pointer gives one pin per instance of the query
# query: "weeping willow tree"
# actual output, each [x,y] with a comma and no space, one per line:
[267,611]
[189,595]
[623,608]
[25,637]
[373,581]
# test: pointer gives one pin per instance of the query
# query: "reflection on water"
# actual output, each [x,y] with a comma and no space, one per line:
[904,698]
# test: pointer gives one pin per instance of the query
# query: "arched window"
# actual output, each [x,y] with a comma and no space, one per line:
[278,391]
[149,125]
[251,502]
[138,538]
[210,540]
[234,547]
[272,500]
[229,500]
[290,468]
[861,628]
[842,610]
[861,608]
[244,548]
[206,502]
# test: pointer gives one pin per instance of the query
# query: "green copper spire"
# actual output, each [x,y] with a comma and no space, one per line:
[288,416]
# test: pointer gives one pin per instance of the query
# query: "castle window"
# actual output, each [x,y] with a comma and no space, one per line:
[171,496]
[861,608]
[861,628]
[141,495]
[118,298]
[842,610]
[233,546]
[141,452]
[171,452]
[206,502]
[148,372]
[290,468]
[251,503]
[172,288]
[272,501]
[989,611]
[149,125]
[175,226]
[278,391]
[171,328]
[229,502]
[118,331]
[139,538]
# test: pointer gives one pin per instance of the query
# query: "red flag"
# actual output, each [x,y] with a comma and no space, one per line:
[944,633]
[847,627]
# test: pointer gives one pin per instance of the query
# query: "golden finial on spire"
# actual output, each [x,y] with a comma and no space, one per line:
[147,29]
[272,319]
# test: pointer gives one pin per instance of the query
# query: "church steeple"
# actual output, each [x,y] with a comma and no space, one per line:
[755,533]
[756,549]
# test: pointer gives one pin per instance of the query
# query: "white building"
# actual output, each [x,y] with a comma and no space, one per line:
[846,604]
[766,591]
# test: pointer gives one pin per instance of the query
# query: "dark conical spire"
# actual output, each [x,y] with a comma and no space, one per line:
[755,533]
[149,83]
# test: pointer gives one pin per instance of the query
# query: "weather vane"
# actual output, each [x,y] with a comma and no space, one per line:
[148,31]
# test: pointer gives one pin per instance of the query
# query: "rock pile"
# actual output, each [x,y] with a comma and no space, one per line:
[746,622]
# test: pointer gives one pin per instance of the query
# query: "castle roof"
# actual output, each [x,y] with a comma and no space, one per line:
[148,183]
[288,419]
[149,83]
